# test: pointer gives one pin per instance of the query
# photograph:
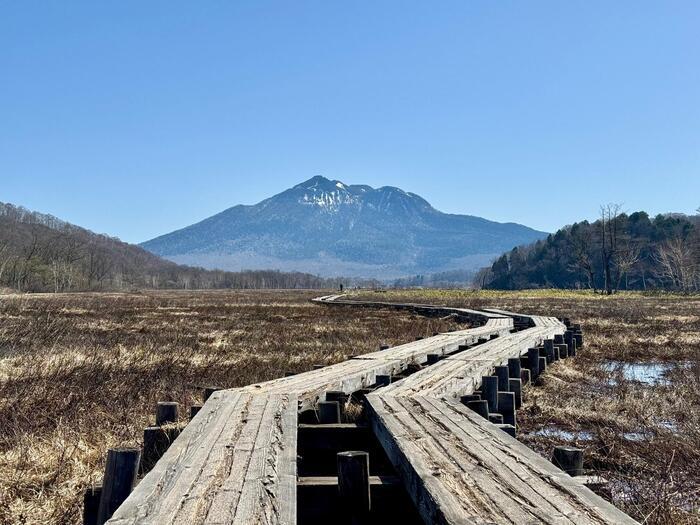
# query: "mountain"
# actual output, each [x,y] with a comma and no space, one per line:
[618,251]
[330,228]
[40,253]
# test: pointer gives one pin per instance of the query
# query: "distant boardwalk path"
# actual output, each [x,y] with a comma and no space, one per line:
[236,461]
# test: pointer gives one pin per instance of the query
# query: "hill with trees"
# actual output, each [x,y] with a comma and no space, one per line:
[617,251]
[41,253]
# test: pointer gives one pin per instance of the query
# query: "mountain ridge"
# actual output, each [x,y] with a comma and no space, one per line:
[333,228]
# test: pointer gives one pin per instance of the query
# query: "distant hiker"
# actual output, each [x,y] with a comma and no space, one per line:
[341,287]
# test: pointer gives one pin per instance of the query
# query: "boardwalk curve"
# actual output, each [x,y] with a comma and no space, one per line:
[236,461]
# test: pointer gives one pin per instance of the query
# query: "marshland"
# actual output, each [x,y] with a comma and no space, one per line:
[80,373]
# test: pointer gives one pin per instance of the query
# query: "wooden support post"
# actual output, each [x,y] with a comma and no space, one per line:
[525,376]
[359,395]
[568,337]
[508,429]
[462,348]
[194,410]
[563,350]
[480,407]
[120,475]
[496,419]
[502,374]
[578,338]
[533,362]
[156,440]
[524,362]
[481,340]
[209,390]
[166,412]
[337,395]
[489,391]
[328,412]
[549,350]
[383,379]
[353,485]
[514,367]
[516,386]
[569,459]
[341,398]
[493,336]
[572,348]
[543,365]
[432,358]
[384,347]
[506,407]
[91,504]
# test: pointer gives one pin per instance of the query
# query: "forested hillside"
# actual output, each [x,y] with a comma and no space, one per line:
[618,251]
[41,253]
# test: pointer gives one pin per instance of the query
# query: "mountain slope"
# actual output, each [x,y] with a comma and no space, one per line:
[327,227]
[39,253]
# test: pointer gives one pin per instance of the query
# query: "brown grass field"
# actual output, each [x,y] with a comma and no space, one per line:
[81,373]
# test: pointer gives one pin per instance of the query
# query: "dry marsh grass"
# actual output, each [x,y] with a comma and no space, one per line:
[642,435]
[81,373]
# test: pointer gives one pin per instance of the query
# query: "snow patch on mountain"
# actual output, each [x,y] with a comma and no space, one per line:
[383,231]
[328,200]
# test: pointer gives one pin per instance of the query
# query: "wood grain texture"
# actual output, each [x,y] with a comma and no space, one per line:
[235,463]
[459,468]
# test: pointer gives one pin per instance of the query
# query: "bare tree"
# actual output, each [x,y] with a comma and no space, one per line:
[483,278]
[609,232]
[581,244]
[626,258]
[5,257]
[678,264]
[99,265]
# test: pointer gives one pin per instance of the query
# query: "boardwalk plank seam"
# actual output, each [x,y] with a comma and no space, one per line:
[236,461]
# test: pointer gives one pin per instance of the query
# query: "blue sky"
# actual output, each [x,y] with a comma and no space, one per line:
[137,118]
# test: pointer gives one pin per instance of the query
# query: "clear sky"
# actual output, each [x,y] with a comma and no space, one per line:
[137,118]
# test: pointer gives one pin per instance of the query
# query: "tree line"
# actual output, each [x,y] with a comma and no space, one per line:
[617,251]
[40,253]
[447,279]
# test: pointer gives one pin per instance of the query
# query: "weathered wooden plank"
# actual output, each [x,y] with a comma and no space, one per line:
[235,463]
[515,468]
[460,374]
[459,471]
[416,470]
[361,372]
[443,343]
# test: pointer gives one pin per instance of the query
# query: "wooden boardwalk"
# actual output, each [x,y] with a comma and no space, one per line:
[236,461]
